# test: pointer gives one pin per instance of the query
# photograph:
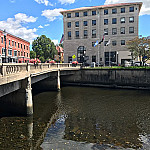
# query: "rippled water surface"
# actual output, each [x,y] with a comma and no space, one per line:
[81,118]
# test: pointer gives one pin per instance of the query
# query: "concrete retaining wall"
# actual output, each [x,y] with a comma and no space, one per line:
[119,78]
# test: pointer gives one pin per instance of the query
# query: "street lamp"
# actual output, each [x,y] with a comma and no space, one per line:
[5,34]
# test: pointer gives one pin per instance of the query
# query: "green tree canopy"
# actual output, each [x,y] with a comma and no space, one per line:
[44,47]
[139,47]
[32,54]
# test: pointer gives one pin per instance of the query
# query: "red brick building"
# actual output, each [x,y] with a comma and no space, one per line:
[17,49]
[60,53]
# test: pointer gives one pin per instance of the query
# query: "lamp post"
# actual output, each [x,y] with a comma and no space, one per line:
[4,32]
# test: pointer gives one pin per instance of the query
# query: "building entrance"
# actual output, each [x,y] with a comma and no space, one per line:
[81,53]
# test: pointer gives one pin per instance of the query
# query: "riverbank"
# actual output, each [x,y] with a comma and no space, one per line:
[128,78]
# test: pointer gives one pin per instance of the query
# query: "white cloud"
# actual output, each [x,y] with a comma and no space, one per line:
[66,1]
[55,42]
[15,26]
[24,18]
[145,7]
[45,2]
[40,27]
[46,25]
[51,15]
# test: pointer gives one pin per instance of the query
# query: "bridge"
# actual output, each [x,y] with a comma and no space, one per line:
[16,80]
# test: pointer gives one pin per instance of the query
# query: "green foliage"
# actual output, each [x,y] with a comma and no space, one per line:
[139,47]
[32,54]
[44,47]
[61,45]
[42,59]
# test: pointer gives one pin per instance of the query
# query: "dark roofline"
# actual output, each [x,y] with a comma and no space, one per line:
[102,6]
[16,36]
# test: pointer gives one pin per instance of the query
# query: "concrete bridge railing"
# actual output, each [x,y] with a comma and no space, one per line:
[12,68]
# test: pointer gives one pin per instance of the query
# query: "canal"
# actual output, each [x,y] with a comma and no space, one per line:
[81,118]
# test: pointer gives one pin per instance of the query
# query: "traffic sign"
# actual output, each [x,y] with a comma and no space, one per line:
[74,56]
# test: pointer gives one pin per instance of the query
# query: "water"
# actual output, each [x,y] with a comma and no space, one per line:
[81,118]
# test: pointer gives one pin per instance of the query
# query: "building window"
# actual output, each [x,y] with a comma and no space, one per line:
[131,9]
[131,19]
[122,30]
[21,46]
[93,43]
[69,59]
[77,24]
[85,33]
[94,33]
[122,42]
[106,31]
[69,35]
[2,39]
[123,10]
[85,13]
[114,31]
[69,24]
[94,13]
[122,20]
[18,53]
[114,43]
[9,42]
[105,11]
[24,47]
[18,45]
[93,22]
[77,34]
[27,47]
[105,42]
[15,44]
[27,55]
[85,23]
[69,15]
[131,29]
[3,51]
[114,11]
[24,53]
[114,20]
[10,52]
[15,53]
[93,58]
[12,43]
[77,14]
[105,21]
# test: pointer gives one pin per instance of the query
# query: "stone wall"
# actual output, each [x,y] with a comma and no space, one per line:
[118,78]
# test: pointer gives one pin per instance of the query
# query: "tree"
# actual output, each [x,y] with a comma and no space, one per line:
[44,47]
[139,48]
[32,54]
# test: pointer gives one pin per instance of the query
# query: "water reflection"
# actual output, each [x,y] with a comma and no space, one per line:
[81,118]
[101,119]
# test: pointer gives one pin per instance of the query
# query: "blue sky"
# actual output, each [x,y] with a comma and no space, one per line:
[31,18]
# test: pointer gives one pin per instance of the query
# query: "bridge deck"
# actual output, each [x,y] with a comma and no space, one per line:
[14,72]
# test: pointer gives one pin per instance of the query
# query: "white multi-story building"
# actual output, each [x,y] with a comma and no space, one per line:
[84,26]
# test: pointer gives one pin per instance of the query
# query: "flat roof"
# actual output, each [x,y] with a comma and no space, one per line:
[16,36]
[103,6]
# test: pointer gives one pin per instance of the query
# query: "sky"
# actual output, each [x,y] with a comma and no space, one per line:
[29,19]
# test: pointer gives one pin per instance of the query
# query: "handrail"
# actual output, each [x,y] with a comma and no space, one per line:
[12,68]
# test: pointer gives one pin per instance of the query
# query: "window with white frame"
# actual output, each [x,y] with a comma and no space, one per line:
[10,52]
[15,52]
[3,51]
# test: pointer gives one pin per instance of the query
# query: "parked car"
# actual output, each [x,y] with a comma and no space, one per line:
[137,63]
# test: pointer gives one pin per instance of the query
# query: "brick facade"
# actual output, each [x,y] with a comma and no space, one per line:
[17,49]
